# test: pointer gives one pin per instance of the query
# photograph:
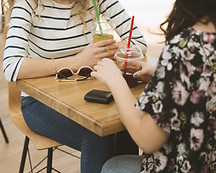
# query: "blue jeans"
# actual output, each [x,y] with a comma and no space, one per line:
[95,150]
[123,164]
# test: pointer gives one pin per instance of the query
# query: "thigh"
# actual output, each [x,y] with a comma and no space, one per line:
[125,144]
[123,164]
[50,123]
[95,151]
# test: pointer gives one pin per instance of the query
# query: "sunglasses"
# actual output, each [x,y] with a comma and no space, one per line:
[66,74]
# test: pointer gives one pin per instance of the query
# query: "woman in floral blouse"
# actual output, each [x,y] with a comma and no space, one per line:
[173,121]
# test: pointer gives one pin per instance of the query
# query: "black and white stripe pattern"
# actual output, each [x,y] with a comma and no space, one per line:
[57,33]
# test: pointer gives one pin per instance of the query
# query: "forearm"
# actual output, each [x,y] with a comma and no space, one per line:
[142,128]
[139,124]
[32,68]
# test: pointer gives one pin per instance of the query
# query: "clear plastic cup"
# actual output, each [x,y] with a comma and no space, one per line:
[134,54]
[107,30]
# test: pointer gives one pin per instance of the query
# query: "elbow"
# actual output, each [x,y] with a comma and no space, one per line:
[8,79]
[8,76]
[11,68]
[148,148]
[152,145]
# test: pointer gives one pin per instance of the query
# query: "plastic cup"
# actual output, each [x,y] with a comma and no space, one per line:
[98,37]
[107,31]
[134,54]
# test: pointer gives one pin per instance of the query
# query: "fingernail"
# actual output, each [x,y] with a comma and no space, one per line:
[135,76]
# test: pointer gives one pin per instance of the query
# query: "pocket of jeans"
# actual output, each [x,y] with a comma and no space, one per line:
[25,101]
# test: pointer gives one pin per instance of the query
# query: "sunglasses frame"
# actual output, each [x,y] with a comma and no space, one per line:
[73,74]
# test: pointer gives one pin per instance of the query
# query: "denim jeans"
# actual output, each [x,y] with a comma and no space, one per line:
[123,164]
[95,150]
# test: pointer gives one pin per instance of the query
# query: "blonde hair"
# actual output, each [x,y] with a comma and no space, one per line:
[6,8]
[82,6]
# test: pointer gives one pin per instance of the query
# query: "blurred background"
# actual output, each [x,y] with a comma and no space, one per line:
[148,16]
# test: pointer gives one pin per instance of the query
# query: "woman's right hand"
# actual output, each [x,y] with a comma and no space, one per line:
[94,52]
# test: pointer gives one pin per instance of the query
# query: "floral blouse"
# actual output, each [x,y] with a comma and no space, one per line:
[181,97]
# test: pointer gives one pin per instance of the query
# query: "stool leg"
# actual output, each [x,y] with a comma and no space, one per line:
[3,132]
[25,149]
[49,160]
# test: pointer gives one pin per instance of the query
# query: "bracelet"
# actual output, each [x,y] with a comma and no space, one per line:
[53,60]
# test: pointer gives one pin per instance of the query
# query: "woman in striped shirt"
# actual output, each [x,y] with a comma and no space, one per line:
[46,35]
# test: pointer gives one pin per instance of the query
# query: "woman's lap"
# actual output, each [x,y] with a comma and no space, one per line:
[47,122]
[123,164]
[95,150]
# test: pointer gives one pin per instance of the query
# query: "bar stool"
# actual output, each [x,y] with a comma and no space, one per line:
[2,16]
[39,141]
[3,132]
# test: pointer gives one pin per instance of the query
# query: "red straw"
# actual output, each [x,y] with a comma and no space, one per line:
[128,46]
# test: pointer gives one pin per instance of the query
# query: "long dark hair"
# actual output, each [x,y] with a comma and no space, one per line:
[186,13]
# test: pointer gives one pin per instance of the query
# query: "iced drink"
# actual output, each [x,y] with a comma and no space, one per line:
[134,54]
[99,37]
[104,31]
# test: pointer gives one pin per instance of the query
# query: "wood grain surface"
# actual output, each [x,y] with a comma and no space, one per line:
[68,99]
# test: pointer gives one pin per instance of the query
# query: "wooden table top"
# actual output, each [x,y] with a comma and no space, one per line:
[68,99]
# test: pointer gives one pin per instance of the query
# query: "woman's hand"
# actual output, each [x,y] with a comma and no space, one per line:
[144,71]
[108,73]
[94,52]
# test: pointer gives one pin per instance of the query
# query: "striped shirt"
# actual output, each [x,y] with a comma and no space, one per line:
[57,33]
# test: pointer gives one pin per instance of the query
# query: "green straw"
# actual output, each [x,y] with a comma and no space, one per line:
[98,18]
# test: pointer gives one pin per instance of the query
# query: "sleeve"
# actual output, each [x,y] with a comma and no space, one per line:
[168,90]
[121,21]
[16,44]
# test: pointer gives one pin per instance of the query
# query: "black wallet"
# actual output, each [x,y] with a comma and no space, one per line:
[99,96]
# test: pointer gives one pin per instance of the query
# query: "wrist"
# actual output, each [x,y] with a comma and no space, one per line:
[152,70]
[117,83]
[54,66]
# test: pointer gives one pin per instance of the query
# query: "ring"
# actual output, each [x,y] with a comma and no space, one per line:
[104,49]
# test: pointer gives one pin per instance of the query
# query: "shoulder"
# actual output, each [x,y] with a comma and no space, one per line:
[185,42]
[190,37]
[25,3]
[22,7]
[109,3]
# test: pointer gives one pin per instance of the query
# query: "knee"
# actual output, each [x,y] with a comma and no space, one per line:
[110,165]
[123,164]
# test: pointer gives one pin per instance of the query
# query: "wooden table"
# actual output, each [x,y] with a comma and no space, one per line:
[68,99]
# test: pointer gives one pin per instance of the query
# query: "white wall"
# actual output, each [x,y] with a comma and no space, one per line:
[148,16]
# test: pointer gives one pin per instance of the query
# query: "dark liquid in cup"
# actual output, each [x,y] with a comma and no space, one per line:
[132,82]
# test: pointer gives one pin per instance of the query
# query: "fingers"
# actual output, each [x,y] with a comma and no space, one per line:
[94,74]
[102,49]
[99,64]
[98,67]
[139,74]
[109,50]
[106,45]
[105,42]
[105,48]
[135,65]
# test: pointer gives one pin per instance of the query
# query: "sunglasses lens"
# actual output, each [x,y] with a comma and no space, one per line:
[85,71]
[64,73]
